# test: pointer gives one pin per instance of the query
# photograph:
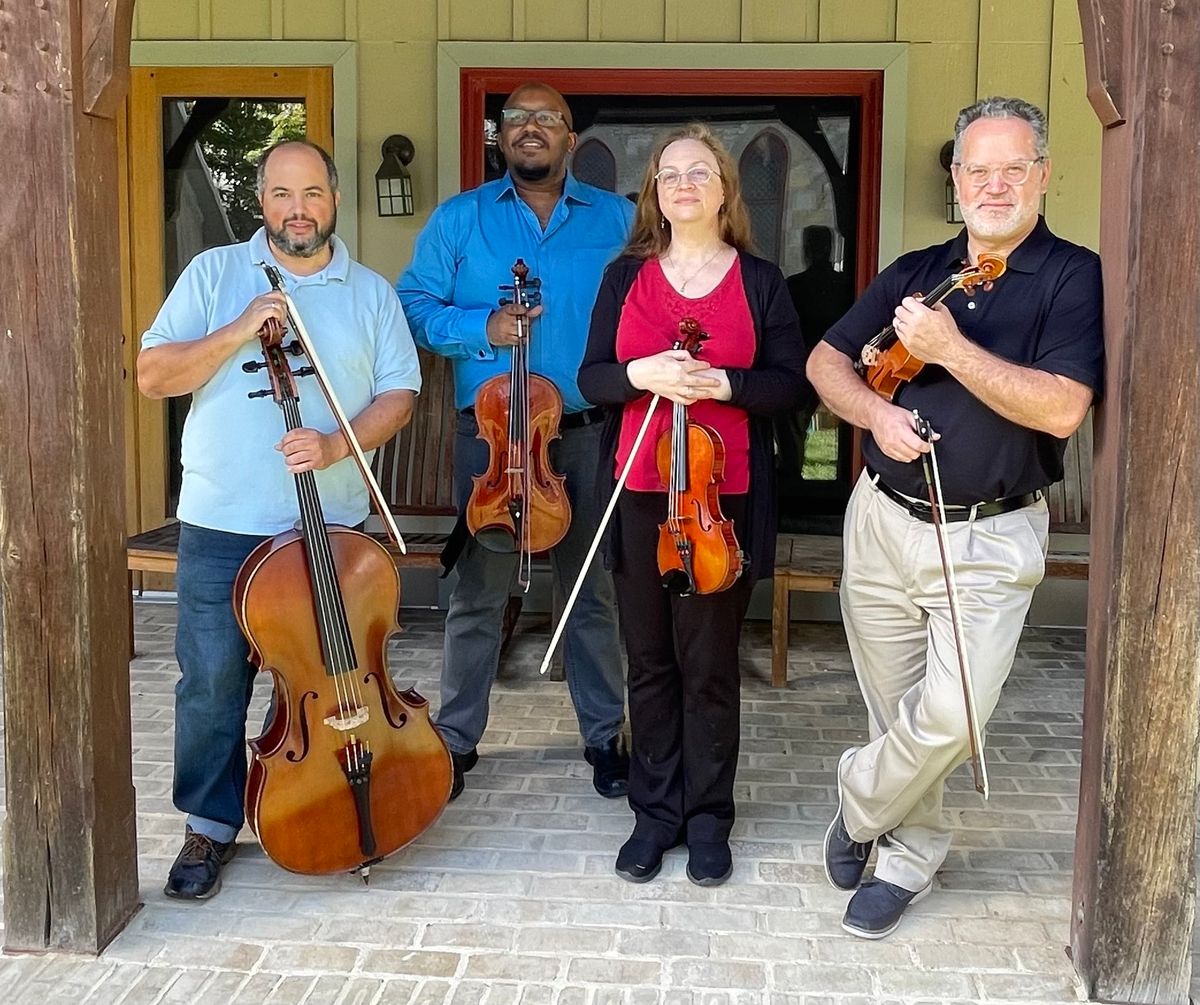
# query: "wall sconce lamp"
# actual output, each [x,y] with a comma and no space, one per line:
[946,158]
[393,183]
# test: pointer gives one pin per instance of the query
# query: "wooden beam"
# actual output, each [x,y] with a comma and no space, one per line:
[1134,895]
[70,854]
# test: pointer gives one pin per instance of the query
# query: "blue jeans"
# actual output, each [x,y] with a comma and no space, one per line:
[216,681]
[591,655]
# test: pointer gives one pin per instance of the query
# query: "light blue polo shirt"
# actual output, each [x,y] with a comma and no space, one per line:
[234,479]
[468,248]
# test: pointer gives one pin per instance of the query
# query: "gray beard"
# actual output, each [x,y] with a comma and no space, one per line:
[306,248]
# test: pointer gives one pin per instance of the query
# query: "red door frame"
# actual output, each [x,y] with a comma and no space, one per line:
[476,82]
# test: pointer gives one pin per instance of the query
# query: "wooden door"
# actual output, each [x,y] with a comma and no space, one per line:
[189,130]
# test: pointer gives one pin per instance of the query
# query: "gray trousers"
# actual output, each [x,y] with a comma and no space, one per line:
[591,654]
[898,626]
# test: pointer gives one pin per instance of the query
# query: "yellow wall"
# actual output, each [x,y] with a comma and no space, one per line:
[959,50]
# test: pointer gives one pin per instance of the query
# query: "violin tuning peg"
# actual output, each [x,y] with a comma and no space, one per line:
[253,366]
[304,371]
[264,393]
[295,348]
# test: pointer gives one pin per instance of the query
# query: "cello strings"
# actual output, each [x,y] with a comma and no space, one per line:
[305,491]
[324,585]
[330,608]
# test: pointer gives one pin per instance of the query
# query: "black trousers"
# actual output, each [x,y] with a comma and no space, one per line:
[684,685]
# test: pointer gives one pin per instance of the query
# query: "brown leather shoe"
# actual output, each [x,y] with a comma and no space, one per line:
[196,872]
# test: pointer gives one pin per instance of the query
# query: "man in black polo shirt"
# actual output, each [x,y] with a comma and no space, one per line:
[1010,375]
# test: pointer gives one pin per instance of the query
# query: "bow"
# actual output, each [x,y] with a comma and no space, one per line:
[933,484]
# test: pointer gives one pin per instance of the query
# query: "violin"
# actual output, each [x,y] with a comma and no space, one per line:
[519,503]
[885,362]
[697,549]
[348,770]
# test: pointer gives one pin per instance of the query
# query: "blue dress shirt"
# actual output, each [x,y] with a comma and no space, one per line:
[467,251]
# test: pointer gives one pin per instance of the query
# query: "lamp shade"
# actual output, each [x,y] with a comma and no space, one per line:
[393,183]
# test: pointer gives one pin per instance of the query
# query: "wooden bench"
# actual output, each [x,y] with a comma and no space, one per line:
[813,563]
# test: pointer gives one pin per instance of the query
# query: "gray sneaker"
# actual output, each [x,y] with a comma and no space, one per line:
[876,909]
[845,858]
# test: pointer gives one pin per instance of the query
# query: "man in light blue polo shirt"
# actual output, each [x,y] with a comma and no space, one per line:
[239,461]
[566,232]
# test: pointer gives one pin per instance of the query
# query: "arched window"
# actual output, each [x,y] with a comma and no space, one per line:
[764,171]
[594,164]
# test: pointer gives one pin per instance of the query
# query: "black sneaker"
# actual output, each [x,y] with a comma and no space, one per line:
[196,872]
[845,858]
[876,909]
[461,763]
[710,863]
[610,767]
[639,860]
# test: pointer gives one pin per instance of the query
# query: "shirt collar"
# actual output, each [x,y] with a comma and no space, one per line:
[573,189]
[338,269]
[1028,256]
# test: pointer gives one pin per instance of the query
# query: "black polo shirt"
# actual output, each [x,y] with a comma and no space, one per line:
[1044,313]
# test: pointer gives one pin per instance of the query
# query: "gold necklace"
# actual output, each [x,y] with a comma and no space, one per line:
[703,266]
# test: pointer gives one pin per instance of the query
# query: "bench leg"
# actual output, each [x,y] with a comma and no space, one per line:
[779,633]
[132,651]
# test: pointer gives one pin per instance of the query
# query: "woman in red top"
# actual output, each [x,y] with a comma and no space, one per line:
[687,258]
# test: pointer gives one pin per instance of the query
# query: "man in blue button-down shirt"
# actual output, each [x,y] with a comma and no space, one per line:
[566,232]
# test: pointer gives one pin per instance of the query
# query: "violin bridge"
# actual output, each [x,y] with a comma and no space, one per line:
[344,721]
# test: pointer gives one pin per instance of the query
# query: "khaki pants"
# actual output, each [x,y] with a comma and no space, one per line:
[901,639]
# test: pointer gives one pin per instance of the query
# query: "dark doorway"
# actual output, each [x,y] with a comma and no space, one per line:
[808,148]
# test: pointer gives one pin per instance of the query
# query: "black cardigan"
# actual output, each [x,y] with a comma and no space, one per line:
[773,385]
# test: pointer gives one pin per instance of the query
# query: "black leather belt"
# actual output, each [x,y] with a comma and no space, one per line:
[572,420]
[955,514]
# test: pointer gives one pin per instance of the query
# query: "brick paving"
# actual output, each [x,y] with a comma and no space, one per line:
[510,898]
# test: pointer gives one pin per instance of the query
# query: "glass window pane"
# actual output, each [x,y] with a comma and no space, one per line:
[210,152]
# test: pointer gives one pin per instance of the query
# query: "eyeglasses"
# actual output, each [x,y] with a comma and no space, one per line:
[1012,173]
[699,175]
[547,118]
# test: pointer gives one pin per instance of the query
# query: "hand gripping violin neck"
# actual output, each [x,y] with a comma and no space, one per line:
[519,503]
[348,770]
[697,549]
[885,362]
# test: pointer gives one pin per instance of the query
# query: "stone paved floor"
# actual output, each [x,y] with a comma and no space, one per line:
[510,897]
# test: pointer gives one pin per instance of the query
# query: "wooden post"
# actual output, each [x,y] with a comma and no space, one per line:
[1134,897]
[70,854]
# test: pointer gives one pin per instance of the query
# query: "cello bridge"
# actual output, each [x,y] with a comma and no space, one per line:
[348,718]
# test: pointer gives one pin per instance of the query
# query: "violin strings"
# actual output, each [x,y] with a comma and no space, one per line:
[526,446]
[935,297]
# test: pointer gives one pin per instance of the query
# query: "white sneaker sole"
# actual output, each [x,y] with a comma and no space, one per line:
[862,933]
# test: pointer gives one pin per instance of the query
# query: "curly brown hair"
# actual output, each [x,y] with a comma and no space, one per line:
[651,235]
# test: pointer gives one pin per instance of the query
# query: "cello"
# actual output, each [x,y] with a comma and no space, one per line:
[348,770]
[886,364]
[519,503]
[697,549]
